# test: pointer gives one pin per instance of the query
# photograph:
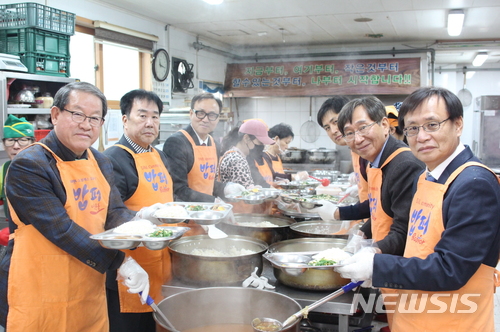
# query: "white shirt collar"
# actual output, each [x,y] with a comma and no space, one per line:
[436,173]
[199,138]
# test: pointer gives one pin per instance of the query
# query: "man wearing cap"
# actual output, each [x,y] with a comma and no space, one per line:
[17,134]
[192,154]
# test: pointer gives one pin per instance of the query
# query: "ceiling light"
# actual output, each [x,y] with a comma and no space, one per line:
[363,19]
[455,22]
[214,2]
[480,59]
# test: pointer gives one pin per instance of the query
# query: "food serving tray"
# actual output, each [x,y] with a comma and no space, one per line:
[201,213]
[254,196]
[298,184]
[312,201]
[295,260]
[113,240]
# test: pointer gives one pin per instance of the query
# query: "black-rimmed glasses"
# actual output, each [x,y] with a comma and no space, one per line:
[22,141]
[79,117]
[429,127]
[362,131]
[202,114]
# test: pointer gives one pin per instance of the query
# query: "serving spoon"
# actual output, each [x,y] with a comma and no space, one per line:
[324,182]
[215,233]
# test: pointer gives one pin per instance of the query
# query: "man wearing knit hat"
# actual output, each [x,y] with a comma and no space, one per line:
[17,134]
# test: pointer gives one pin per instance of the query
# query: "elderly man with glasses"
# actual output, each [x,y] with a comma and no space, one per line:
[61,191]
[453,239]
[391,170]
[193,154]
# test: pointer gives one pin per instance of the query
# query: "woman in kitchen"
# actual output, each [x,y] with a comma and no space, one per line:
[282,135]
[236,146]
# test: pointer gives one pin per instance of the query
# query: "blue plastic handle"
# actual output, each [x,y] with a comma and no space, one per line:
[149,300]
[350,286]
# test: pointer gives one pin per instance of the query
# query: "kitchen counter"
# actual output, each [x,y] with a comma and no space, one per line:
[340,306]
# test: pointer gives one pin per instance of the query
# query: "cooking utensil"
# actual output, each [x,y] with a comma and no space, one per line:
[309,131]
[296,316]
[152,304]
[225,306]
[215,233]
[343,197]
[191,267]
[321,156]
[324,182]
[318,229]
[294,155]
[465,95]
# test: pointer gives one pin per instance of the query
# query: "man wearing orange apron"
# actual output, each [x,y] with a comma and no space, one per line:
[390,175]
[60,192]
[193,155]
[143,180]
[446,279]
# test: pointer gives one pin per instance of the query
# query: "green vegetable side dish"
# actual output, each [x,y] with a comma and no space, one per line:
[161,233]
[194,208]
[325,197]
[321,262]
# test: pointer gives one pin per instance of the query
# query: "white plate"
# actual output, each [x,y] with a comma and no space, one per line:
[19,105]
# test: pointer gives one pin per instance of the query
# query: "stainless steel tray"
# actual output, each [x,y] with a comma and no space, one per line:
[299,184]
[113,240]
[209,213]
[255,196]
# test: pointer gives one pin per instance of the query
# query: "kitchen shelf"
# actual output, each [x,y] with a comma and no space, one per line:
[46,83]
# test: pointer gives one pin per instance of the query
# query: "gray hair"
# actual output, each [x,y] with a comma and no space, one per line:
[61,99]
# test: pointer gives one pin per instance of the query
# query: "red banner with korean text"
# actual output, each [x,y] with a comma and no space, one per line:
[323,78]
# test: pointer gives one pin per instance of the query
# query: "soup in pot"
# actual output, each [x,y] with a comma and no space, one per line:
[222,328]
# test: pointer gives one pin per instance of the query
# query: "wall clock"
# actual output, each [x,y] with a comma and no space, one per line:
[161,64]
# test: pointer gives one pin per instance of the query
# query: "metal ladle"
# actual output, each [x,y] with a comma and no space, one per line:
[274,325]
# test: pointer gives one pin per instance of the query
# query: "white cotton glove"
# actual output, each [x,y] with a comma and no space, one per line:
[359,267]
[326,211]
[147,213]
[302,176]
[352,191]
[232,188]
[352,179]
[134,277]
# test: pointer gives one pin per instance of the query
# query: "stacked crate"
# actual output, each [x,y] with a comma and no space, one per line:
[39,35]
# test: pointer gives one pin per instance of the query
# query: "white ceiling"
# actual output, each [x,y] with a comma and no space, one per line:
[248,25]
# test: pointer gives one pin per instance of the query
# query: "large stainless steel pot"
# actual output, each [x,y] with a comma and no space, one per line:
[311,279]
[321,156]
[219,306]
[215,271]
[296,156]
[266,234]
[318,228]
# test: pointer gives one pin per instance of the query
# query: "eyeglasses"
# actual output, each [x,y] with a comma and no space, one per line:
[428,127]
[362,131]
[79,117]
[22,141]
[202,114]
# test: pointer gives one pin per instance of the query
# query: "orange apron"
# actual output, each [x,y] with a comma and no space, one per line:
[50,290]
[360,180]
[242,207]
[421,241]
[381,222]
[276,165]
[265,171]
[202,176]
[155,186]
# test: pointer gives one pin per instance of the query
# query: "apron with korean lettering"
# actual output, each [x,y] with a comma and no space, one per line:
[381,222]
[202,176]
[155,186]
[468,309]
[49,289]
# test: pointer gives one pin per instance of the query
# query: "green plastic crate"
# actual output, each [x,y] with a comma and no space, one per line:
[15,41]
[35,15]
[46,64]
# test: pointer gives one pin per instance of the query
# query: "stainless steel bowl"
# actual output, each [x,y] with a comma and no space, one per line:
[221,306]
[266,234]
[317,228]
[215,271]
[311,278]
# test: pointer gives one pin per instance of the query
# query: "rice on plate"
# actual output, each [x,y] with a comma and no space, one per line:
[136,227]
